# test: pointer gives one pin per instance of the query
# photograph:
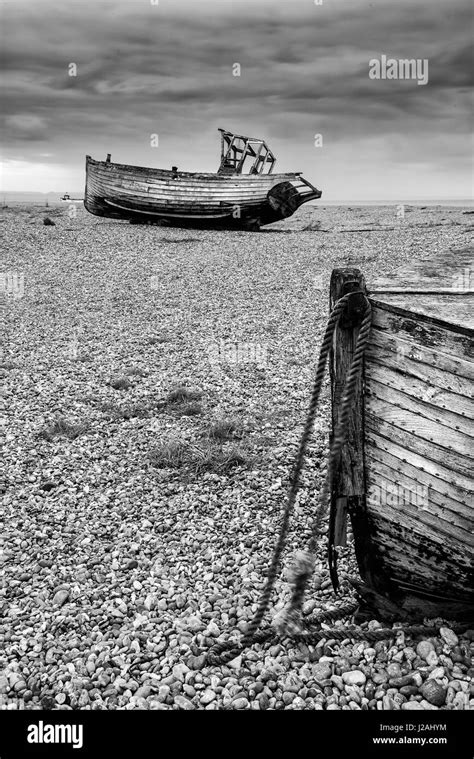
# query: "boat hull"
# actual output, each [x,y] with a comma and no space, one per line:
[144,195]
[405,474]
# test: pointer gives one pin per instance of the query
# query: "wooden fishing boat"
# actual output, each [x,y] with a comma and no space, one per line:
[405,473]
[244,193]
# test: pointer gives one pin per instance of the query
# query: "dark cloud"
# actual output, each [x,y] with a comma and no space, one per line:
[167,69]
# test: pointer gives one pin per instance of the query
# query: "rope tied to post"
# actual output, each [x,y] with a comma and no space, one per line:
[290,621]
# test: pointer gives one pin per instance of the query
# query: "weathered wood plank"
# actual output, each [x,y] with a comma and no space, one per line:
[444,569]
[348,485]
[422,483]
[441,270]
[451,424]
[422,427]
[439,456]
[407,358]
[395,492]
[424,390]
[458,488]
[428,335]
[441,309]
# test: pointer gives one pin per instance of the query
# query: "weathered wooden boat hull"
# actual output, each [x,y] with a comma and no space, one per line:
[140,194]
[405,475]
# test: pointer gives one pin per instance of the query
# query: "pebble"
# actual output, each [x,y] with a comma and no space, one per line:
[183,703]
[424,648]
[321,671]
[449,637]
[412,706]
[207,696]
[241,703]
[434,692]
[60,597]
[354,677]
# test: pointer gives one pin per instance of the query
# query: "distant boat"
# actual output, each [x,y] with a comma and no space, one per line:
[229,198]
[66,198]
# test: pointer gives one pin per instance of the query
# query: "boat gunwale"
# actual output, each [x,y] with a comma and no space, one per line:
[258,178]
[456,328]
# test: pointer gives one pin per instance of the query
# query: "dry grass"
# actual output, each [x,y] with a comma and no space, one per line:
[171,454]
[225,429]
[175,454]
[181,394]
[62,428]
[191,409]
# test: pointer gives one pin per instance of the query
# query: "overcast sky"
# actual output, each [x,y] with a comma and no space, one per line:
[167,69]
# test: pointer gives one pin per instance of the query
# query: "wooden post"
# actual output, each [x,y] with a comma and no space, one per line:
[348,484]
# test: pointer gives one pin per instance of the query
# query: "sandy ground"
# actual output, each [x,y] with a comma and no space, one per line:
[118,567]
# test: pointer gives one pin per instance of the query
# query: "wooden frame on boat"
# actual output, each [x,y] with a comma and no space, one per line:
[405,474]
[235,149]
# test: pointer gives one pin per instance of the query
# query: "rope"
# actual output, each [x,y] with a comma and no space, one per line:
[291,621]
[296,475]
[306,560]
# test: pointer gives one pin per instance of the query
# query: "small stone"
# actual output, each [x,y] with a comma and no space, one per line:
[163,692]
[287,697]
[432,659]
[394,670]
[411,706]
[207,696]
[198,662]
[195,624]
[354,677]
[183,703]
[400,682]
[408,690]
[434,692]
[321,671]
[60,698]
[143,692]
[179,671]
[133,564]
[449,637]
[60,597]
[436,674]
[240,703]
[292,684]
[424,648]
[426,705]
[235,663]
[213,630]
